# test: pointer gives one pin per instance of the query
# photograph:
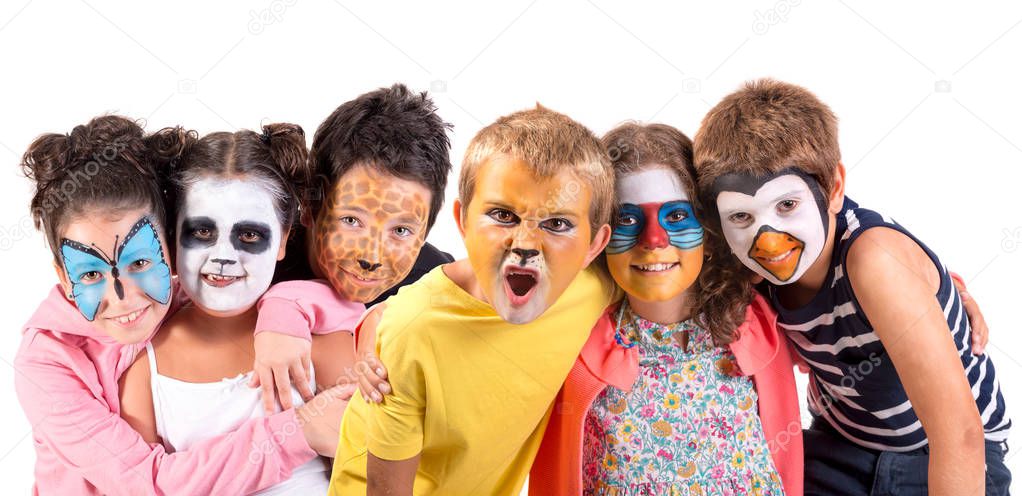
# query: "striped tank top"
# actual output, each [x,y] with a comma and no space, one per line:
[852,384]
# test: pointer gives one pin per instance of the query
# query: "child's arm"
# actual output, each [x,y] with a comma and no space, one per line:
[895,282]
[137,400]
[97,445]
[371,373]
[292,311]
[333,356]
[978,324]
[390,478]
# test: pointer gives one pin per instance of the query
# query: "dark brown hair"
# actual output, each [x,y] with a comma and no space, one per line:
[277,157]
[633,146]
[108,163]
[391,130]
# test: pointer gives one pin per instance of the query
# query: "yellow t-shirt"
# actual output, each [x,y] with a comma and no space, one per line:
[472,392]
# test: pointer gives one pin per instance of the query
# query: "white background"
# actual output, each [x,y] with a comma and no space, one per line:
[927,94]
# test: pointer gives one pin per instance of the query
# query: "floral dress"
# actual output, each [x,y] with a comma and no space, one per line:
[689,425]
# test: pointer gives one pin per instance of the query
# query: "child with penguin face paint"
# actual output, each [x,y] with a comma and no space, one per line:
[896,369]
[114,265]
[657,367]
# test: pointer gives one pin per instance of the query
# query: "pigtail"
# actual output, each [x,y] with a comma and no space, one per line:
[286,144]
[45,163]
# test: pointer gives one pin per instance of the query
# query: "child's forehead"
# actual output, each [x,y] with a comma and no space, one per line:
[514,182]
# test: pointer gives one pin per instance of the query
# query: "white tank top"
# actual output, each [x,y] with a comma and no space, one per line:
[190,412]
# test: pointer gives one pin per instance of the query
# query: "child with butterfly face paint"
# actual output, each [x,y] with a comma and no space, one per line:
[664,399]
[237,197]
[99,201]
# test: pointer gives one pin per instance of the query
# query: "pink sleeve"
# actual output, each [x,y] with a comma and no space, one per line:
[78,429]
[303,308]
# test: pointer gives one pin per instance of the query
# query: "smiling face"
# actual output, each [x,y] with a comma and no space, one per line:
[656,249]
[369,232]
[775,224]
[229,241]
[115,270]
[527,237]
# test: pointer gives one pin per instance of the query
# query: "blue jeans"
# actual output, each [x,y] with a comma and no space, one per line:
[836,466]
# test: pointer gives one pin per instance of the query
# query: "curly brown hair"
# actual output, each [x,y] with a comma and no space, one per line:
[720,293]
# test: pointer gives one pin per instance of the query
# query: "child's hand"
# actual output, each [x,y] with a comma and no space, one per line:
[372,377]
[980,331]
[279,359]
[321,418]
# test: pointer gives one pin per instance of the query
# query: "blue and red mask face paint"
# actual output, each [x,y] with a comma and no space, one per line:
[654,226]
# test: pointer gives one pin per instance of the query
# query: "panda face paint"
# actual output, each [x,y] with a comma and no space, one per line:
[775,224]
[656,247]
[227,245]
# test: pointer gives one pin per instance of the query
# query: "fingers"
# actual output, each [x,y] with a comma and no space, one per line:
[282,377]
[301,380]
[379,374]
[365,385]
[266,383]
[307,365]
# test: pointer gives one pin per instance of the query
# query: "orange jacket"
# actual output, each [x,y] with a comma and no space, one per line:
[761,351]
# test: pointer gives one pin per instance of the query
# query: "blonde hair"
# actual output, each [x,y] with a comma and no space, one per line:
[548,142]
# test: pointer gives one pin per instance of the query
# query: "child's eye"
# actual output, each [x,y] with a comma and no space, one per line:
[91,276]
[740,218]
[626,220]
[787,205]
[402,231]
[203,233]
[502,216]
[140,265]
[250,237]
[677,215]
[350,221]
[557,225]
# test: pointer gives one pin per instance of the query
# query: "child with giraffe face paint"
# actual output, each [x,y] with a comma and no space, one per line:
[381,163]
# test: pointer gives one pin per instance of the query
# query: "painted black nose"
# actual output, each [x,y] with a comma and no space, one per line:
[524,254]
[368,266]
[223,261]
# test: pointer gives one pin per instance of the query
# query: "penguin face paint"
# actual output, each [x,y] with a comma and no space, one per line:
[656,247]
[775,224]
[369,232]
[229,238]
[527,237]
[116,273]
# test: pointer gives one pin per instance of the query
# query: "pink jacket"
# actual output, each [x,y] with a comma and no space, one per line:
[762,353]
[66,381]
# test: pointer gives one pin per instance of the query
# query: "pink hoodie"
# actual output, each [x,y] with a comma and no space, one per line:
[66,381]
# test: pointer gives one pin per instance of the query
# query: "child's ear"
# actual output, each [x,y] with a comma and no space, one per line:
[599,242]
[283,245]
[837,192]
[65,283]
[306,219]
[458,218]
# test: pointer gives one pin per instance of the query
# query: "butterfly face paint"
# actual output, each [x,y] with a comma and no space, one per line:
[527,237]
[228,240]
[775,224]
[656,248]
[369,232]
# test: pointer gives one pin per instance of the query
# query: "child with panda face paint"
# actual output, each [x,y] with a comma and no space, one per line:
[903,399]
[237,196]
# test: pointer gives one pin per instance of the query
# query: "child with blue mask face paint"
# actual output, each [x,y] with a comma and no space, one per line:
[100,203]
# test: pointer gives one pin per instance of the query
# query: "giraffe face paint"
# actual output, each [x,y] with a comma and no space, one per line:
[369,232]
[229,238]
[116,272]
[656,248]
[527,237]
[775,224]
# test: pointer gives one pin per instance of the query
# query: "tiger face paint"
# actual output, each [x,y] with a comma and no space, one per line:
[369,232]
[775,224]
[527,237]
[656,248]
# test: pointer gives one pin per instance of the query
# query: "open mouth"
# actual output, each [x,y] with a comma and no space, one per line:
[519,284]
[219,281]
[131,317]
[778,253]
[655,268]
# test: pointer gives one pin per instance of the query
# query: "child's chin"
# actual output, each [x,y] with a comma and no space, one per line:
[520,314]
